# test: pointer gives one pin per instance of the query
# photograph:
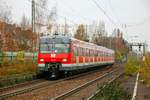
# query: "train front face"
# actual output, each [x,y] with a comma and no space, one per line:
[53,53]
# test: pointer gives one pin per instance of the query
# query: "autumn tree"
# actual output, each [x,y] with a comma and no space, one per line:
[80,33]
[25,39]
[100,35]
[1,42]
[5,12]
[10,42]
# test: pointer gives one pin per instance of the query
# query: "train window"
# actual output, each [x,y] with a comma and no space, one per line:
[99,53]
[96,53]
[62,48]
[56,48]
[87,52]
[102,54]
[79,51]
[45,48]
[76,51]
[90,52]
[84,53]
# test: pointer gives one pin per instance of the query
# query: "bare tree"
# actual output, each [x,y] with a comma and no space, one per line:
[40,13]
[100,35]
[51,20]
[25,23]
[5,12]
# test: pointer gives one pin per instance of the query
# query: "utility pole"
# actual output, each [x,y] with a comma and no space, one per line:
[33,26]
[33,16]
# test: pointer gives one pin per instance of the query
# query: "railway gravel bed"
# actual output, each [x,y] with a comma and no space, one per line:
[58,88]
[17,86]
[15,90]
[84,91]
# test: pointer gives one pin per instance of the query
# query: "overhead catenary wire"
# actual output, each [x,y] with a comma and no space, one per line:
[103,11]
[46,9]
[139,23]
[75,12]
[113,11]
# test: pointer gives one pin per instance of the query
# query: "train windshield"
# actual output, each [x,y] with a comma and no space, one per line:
[54,46]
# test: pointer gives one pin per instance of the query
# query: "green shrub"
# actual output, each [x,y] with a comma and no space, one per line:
[21,56]
[132,66]
[112,91]
[145,70]
[1,58]
[15,79]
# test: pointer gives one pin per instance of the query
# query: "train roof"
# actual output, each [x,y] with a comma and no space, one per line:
[57,39]
[67,39]
[93,45]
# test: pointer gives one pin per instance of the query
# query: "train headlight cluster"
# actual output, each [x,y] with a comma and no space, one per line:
[64,60]
[41,60]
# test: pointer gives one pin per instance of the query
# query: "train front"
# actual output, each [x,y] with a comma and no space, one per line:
[53,53]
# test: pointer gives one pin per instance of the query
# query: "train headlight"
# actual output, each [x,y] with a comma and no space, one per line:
[41,60]
[64,60]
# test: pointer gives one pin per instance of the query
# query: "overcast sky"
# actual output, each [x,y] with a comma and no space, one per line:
[134,13]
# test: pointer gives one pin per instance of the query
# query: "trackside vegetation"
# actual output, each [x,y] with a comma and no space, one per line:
[145,70]
[112,91]
[132,66]
[17,70]
[16,66]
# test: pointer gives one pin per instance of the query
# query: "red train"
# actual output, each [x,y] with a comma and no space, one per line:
[64,54]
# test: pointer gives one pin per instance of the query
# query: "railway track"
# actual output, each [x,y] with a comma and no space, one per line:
[69,94]
[7,94]
[9,88]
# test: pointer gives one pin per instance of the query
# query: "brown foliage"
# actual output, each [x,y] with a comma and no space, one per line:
[80,33]
[15,39]
[17,68]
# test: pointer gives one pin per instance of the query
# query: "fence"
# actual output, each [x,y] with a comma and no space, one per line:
[19,56]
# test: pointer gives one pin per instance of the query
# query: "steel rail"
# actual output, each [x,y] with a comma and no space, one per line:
[19,85]
[112,80]
[44,84]
[75,90]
